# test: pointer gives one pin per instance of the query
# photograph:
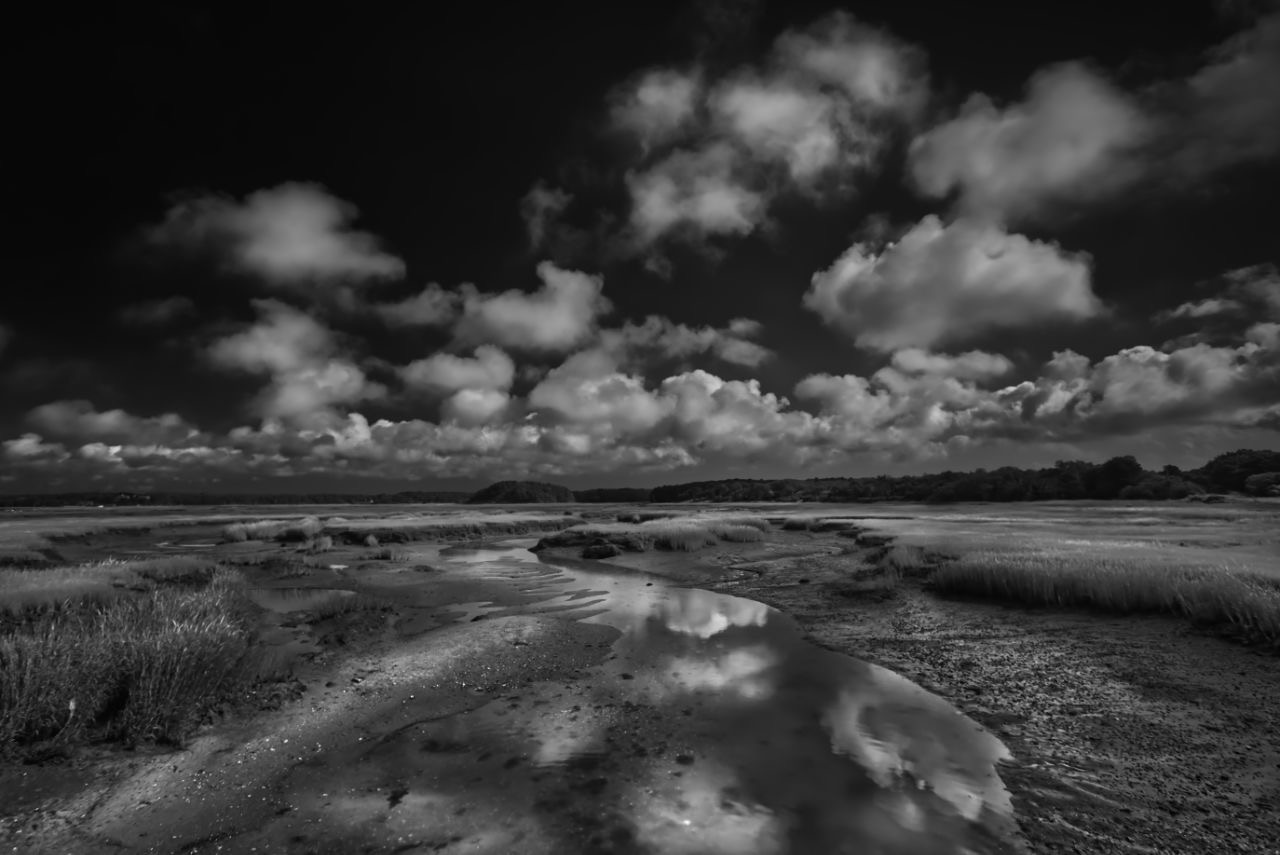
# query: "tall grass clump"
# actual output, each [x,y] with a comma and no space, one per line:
[644,516]
[682,538]
[141,668]
[1212,595]
[735,533]
[284,531]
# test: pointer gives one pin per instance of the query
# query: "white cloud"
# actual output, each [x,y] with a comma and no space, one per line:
[657,106]
[300,356]
[873,69]
[589,415]
[559,316]
[589,391]
[776,120]
[1244,292]
[156,313]
[31,448]
[946,284]
[475,406]
[291,235]
[973,365]
[1228,112]
[79,420]
[716,156]
[432,306]
[489,369]
[695,193]
[658,337]
[1072,139]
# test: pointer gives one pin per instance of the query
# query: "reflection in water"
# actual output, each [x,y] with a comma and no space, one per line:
[727,732]
[296,599]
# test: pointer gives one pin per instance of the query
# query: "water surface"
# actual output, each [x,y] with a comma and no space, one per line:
[715,727]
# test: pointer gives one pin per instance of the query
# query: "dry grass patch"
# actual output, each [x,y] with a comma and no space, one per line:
[141,668]
[1247,603]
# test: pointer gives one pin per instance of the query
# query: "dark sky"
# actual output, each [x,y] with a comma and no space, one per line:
[614,244]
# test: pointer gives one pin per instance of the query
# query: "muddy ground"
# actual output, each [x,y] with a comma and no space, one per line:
[1129,734]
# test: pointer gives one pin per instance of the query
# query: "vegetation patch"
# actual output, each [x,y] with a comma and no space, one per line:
[133,668]
[1247,604]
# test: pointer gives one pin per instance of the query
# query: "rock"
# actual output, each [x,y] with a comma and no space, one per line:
[601,550]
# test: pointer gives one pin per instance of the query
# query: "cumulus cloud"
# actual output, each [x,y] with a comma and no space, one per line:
[1227,112]
[300,356]
[31,448]
[803,128]
[658,337]
[488,369]
[475,406]
[657,106]
[433,306]
[157,313]
[1244,292]
[696,193]
[79,420]
[871,67]
[1142,386]
[560,315]
[1072,139]
[1076,137]
[592,415]
[292,235]
[716,154]
[947,284]
[973,365]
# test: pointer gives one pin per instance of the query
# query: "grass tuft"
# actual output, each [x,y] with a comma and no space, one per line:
[133,668]
[1213,595]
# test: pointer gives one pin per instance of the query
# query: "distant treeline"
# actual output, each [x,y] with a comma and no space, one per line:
[53,500]
[1244,471]
[1255,472]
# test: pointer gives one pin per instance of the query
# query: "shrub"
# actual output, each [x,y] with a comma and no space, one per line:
[1263,484]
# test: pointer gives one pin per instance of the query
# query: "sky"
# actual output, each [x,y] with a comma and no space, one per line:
[631,244]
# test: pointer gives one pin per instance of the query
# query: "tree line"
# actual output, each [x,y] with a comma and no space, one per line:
[1255,472]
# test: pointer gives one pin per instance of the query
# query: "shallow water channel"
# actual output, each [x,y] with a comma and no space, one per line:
[713,726]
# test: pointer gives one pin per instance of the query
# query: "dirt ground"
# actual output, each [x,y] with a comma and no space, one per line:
[1129,734]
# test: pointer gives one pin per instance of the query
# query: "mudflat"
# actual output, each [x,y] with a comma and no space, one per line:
[733,697]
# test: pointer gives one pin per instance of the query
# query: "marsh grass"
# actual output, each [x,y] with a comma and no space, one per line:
[678,534]
[461,527]
[735,533]
[140,668]
[1247,603]
[285,530]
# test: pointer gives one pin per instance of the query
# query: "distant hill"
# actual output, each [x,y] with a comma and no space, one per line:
[520,492]
[613,494]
